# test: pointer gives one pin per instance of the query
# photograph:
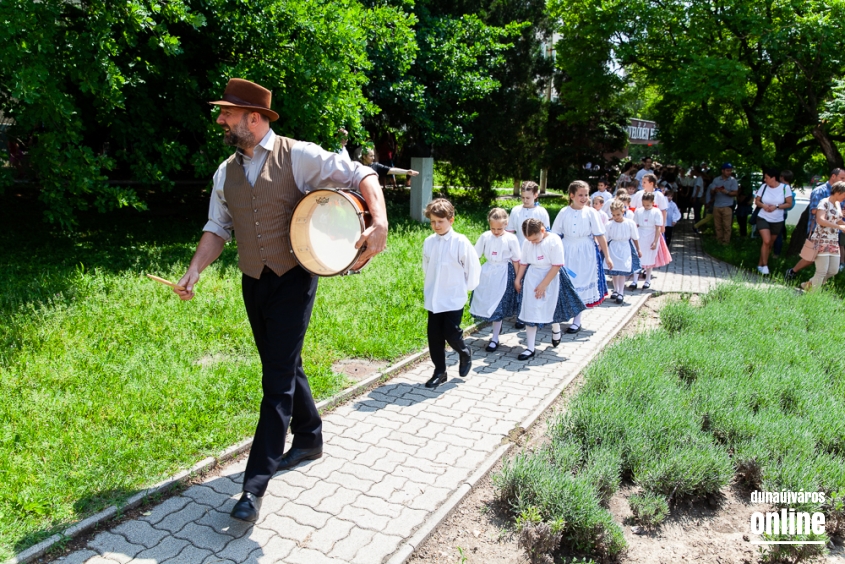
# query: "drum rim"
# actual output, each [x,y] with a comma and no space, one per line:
[346,194]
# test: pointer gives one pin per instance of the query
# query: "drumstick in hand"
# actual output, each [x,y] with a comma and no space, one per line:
[165,282]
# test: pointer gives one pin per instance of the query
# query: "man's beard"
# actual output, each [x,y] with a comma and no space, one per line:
[240,136]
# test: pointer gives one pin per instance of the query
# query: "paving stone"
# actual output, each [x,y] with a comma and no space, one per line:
[286,527]
[165,508]
[385,488]
[223,523]
[387,463]
[276,550]
[204,537]
[240,550]
[350,482]
[407,522]
[102,560]
[140,533]
[347,548]
[335,503]
[115,547]
[363,518]
[224,485]
[78,557]
[167,548]
[295,477]
[378,506]
[280,495]
[377,549]
[325,537]
[207,496]
[433,498]
[189,555]
[310,556]
[177,520]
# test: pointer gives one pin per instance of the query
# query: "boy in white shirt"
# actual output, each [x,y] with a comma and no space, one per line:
[673,216]
[602,191]
[451,268]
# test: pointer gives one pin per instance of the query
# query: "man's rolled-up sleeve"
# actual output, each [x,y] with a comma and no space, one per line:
[315,168]
[219,219]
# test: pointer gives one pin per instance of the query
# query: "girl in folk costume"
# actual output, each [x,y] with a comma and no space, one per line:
[655,254]
[580,228]
[549,296]
[495,297]
[623,246]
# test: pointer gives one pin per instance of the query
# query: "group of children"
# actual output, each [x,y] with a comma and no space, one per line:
[540,273]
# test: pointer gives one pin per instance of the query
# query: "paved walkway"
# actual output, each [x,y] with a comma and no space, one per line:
[392,458]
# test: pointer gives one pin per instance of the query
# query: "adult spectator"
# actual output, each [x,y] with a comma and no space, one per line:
[723,191]
[368,159]
[824,239]
[697,195]
[772,198]
[254,193]
[626,176]
[816,196]
[647,163]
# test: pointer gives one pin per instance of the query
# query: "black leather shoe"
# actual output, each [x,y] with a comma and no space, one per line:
[555,342]
[525,355]
[247,508]
[492,346]
[620,299]
[296,455]
[466,364]
[519,325]
[436,380]
[573,330]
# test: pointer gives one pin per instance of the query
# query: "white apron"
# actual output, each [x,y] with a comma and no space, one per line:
[620,254]
[491,289]
[534,310]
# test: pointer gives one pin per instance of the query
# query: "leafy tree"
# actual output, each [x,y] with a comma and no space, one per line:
[738,78]
[102,89]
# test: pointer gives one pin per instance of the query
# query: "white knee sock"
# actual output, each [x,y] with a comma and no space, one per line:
[497,328]
[648,275]
[530,335]
[576,322]
[556,330]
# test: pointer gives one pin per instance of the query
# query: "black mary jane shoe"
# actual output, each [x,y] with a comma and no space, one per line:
[436,380]
[246,509]
[296,455]
[519,325]
[619,299]
[555,342]
[574,330]
[492,346]
[525,355]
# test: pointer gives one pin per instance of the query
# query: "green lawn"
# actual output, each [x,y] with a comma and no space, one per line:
[110,383]
[746,386]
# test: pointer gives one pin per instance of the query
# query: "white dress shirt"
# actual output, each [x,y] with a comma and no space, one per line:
[312,168]
[451,269]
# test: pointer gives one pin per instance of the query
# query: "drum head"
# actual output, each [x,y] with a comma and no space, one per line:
[324,229]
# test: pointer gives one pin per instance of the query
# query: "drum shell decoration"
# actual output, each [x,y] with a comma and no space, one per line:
[324,228]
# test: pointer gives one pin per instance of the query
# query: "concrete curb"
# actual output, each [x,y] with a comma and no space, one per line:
[403,554]
[207,464]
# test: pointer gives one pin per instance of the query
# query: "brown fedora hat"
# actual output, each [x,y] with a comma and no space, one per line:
[244,94]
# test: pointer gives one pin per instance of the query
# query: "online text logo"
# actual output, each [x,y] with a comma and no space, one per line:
[787,521]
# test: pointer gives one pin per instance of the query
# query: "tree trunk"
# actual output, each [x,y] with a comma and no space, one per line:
[829,149]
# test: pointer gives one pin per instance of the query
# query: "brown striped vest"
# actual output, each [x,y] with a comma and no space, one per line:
[261,213]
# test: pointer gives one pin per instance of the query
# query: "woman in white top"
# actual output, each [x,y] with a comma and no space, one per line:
[580,228]
[772,198]
[548,295]
[495,297]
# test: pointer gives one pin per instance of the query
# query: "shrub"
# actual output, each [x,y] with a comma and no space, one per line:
[650,510]
[689,471]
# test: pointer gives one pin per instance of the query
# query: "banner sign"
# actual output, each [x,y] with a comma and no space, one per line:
[642,132]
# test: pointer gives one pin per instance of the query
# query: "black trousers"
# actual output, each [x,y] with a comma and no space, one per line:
[668,234]
[445,327]
[279,310]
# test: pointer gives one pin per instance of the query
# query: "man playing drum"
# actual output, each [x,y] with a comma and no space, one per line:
[255,191]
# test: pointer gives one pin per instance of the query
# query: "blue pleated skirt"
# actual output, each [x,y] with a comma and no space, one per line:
[569,303]
[510,303]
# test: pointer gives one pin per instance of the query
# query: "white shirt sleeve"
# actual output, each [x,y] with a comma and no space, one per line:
[524,253]
[596,224]
[556,251]
[426,258]
[472,266]
[632,227]
[658,217]
[545,218]
[513,246]
[557,226]
[219,219]
[315,168]
[479,245]
[512,220]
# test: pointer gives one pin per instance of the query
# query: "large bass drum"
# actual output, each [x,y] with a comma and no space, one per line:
[324,228]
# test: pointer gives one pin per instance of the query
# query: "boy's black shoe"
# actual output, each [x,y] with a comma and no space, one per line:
[436,380]
[466,364]
[247,508]
[789,274]
[519,325]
